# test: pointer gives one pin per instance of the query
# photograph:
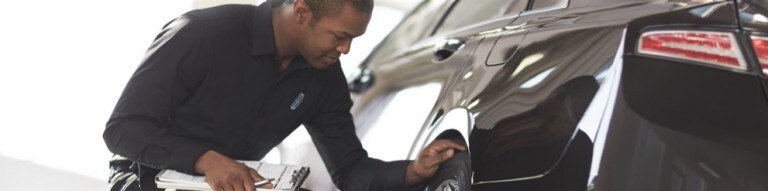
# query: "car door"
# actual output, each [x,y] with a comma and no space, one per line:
[529,95]
[474,30]
[398,84]
[397,89]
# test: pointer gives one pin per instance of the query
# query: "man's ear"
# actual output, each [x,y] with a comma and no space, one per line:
[302,11]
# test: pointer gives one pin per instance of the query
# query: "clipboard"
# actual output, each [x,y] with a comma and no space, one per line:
[286,177]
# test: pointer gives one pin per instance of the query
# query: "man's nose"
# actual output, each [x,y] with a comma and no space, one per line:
[344,47]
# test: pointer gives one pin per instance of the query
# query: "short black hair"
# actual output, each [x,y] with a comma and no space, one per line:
[323,8]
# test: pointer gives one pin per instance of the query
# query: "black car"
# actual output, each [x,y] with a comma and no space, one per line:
[575,94]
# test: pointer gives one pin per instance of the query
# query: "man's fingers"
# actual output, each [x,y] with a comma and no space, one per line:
[440,151]
[269,185]
[447,154]
[221,186]
[236,182]
[451,144]
[239,185]
[229,188]
[440,146]
[218,188]
[255,176]
[435,154]
[248,186]
[435,160]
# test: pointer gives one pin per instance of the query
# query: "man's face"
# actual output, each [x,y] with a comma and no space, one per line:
[322,44]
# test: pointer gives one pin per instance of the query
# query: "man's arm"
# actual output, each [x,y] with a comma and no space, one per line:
[333,132]
[138,126]
[138,129]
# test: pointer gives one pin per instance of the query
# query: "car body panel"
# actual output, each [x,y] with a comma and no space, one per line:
[753,18]
[409,82]
[559,99]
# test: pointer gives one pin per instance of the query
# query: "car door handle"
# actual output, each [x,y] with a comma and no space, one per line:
[447,47]
[543,20]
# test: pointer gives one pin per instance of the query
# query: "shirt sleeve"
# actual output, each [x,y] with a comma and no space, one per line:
[139,127]
[333,132]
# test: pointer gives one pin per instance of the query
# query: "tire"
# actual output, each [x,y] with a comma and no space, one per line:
[454,174]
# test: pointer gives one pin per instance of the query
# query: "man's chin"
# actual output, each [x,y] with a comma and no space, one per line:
[320,65]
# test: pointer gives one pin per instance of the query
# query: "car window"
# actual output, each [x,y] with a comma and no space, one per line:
[543,5]
[413,28]
[468,12]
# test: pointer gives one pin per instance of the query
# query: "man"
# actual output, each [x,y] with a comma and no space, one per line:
[231,82]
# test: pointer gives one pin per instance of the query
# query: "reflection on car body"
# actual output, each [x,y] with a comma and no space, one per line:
[563,95]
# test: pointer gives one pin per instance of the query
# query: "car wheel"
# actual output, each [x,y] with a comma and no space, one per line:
[455,174]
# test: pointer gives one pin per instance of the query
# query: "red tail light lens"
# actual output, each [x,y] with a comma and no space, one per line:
[717,48]
[760,44]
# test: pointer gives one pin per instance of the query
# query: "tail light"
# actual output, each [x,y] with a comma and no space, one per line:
[760,44]
[715,48]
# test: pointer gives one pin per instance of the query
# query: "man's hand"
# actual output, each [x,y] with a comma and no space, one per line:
[224,174]
[429,160]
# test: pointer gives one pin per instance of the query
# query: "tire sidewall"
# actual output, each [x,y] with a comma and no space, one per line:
[457,170]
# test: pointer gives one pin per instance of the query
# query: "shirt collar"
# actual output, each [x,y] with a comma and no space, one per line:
[263,40]
[297,64]
[264,36]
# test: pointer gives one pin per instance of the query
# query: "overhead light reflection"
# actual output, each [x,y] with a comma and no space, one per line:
[527,61]
[537,79]
[760,18]
[709,170]
[468,75]
[473,104]
[706,11]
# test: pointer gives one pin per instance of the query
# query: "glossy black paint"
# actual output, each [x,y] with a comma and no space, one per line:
[701,100]
[754,22]
[688,139]
[752,14]
[559,99]
[534,141]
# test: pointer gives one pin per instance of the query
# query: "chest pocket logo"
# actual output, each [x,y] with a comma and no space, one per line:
[297,101]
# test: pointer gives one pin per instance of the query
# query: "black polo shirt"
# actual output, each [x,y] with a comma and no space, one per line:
[210,81]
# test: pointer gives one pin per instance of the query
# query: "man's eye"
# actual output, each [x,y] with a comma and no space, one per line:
[338,37]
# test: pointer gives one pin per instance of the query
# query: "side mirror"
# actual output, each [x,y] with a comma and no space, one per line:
[362,81]
[445,48]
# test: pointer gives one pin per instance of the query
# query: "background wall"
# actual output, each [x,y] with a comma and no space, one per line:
[63,65]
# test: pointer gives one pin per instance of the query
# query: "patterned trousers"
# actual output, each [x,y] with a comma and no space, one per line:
[124,175]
